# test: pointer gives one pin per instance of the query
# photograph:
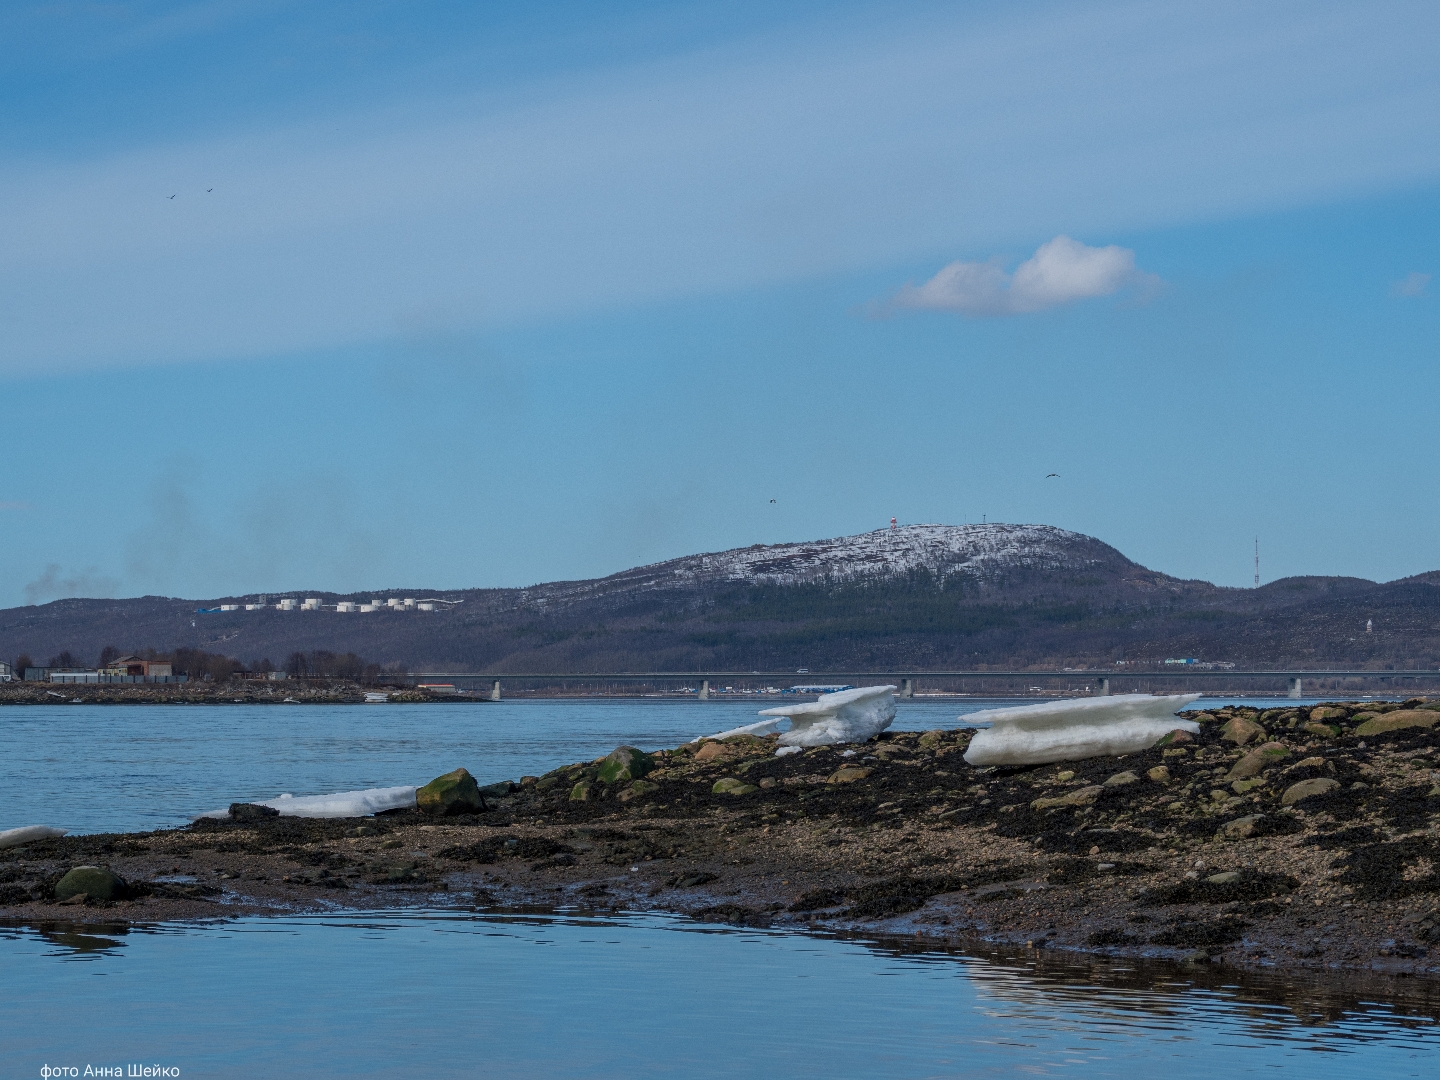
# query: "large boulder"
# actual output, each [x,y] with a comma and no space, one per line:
[454,793]
[1257,760]
[624,764]
[1307,789]
[93,882]
[1394,721]
[1241,730]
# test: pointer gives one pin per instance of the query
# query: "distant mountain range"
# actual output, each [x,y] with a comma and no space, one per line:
[920,596]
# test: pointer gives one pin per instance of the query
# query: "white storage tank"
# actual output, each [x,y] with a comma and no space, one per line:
[424,607]
[285,605]
[345,605]
[312,603]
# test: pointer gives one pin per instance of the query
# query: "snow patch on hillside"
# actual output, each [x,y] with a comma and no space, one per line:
[978,550]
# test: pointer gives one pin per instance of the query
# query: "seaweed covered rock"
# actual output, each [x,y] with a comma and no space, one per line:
[454,793]
[92,882]
[625,763]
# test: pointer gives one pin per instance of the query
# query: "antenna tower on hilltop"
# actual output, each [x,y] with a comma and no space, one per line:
[1257,562]
[892,523]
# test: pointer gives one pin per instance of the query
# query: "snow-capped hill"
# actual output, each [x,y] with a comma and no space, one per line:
[977,551]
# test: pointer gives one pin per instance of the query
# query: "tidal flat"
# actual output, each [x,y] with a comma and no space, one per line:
[1289,838]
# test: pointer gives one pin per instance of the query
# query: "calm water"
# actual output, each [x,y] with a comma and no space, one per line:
[95,768]
[452,994]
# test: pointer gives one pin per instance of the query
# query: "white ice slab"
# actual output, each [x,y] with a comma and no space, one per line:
[342,804]
[1076,729]
[16,837]
[842,717]
[764,727]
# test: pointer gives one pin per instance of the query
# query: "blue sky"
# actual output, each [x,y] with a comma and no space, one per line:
[458,295]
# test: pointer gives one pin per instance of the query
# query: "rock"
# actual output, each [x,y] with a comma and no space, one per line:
[1306,789]
[1256,760]
[712,750]
[1160,774]
[91,881]
[1243,827]
[497,790]
[1240,787]
[730,786]
[932,739]
[1240,731]
[1224,879]
[1179,735]
[1324,731]
[768,782]
[625,763]
[638,788]
[1065,775]
[243,811]
[1404,718]
[454,793]
[529,781]
[1079,797]
[1120,779]
[847,774]
[1220,795]
[1311,763]
[580,792]
[1323,712]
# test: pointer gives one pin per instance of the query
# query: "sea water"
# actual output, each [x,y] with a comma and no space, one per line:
[458,992]
[118,768]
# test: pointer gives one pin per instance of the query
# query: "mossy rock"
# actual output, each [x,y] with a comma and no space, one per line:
[932,739]
[1395,721]
[94,882]
[580,792]
[729,785]
[638,788]
[623,764]
[454,793]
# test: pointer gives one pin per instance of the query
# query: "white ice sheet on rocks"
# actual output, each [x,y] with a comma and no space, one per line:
[16,837]
[341,804]
[764,727]
[1072,730]
[842,717]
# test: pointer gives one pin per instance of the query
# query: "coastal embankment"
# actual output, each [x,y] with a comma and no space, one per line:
[1299,837]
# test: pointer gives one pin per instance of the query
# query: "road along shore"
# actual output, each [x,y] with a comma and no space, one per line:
[1290,838]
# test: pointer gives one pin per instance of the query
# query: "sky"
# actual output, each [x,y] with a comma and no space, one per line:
[369,295]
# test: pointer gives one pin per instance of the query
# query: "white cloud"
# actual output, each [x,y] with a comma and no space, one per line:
[1412,284]
[1060,272]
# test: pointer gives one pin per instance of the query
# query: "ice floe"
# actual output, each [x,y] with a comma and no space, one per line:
[16,837]
[842,717]
[1076,729]
[341,804]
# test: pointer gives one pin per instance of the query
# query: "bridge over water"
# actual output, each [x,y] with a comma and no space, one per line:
[1181,677]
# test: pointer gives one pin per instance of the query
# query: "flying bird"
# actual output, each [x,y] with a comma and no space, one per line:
[1048,475]
[172,196]
[772,500]
[209,189]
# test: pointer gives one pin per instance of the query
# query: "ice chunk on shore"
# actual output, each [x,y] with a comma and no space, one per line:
[1072,730]
[763,728]
[842,717]
[16,837]
[341,804]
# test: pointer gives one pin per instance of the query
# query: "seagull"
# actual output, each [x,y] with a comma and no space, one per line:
[209,189]
[1048,475]
[772,500]
[172,196]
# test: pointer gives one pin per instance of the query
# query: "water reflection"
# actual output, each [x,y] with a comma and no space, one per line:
[910,1006]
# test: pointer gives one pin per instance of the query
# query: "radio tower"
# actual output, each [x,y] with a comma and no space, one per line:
[1257,562]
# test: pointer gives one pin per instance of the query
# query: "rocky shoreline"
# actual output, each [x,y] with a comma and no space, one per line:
[1288,838]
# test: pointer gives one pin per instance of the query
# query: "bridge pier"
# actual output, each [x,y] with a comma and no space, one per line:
[1295,687]
[1102,686]
[495,690]
[704,689]
[907,688]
